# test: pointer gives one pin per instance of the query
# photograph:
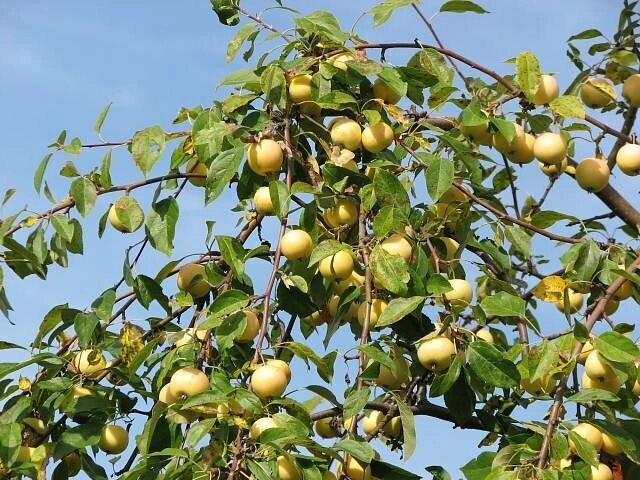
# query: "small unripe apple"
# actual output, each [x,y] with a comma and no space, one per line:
[165,396]
[376,138]
[590,433]
[282,365]
[593,174]
[260,425]
[327,427]
[611,306]
[575,301]
[296,244]
[550,148]
[377,307]
[286,469]
[268,381]
[597,93]
[346,133]
[265,156]
[384,92]
[486,335]
[396,244]
[624,291]
[196,167]
[461,293]
[340,60]
[551,170]
[300,88]
[523,151]
[187,382]
[262,201]
[193,279]
[89,362]
[345,212]
[436,353]
[479,134]
[114,439]
[251,330]
[610,445]
[628,158]
[631,90]
[548,90]
[601,472]
[337,266]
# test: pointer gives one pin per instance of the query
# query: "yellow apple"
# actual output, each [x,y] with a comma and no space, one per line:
[338,266]
[518,142]
[251,330]
[601,472]
[611,384]
[262,201]
[628,158]
[592,174]
[355,470]
[300,88]
[377,307]
[260,425]
[387,379]
[327,427]
[436,353]
[187,382]
[354,280]
[548,90]
[282,365]
[286,469]
[265,156]
[625,291]
[451,247]
[523,151]
[610,445]
[346,133]
[114,439]
[165,396]
[340,60]
[550,149]
[396,244]
[551,170]
[376,138]
[332,308]
[327,475]
[193,279]
[479,134]
[565,463]
[462,293]
[597,93]
[197,167]
[596,367]
[90,363]
[268,381]
[631,90]
[486,335]
[384,92]
[590,433]
[117,223]
[345,212]
[575,301]
[454,195]
[296,244]
[543,385]
[371,420]
[611,306]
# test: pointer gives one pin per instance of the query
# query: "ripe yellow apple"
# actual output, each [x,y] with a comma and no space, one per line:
[631,90]
[517,143]
[337,266]
[300,88]
[453,195]
[251,330]
[193,279]
[610,445]
[196,167]
[462,293]
[575,301]
[36,424]
[628,158]
[479,134]
[89,362]
[345,212]
[601,472]
[346,133]
[611,306]
[551,170]
[486,335]
[286,469]
[548,90]
[332,308]
[524,150]
[282,365]
[377,307]
[387,379]
[451,247]
[260,425]
[396,244]
[565,463]
[340,60]
[625,291]
[327,475]
[597,368]
[165,396]
[542,385]
[262,201]
[550,149]
[376,138]
[611,384]
[355,470]
[371,420]
[592,174]
[265,156]
[187,382]
[117,223]
[114,439]
[296,244]
[316,319]
[384,92]
[327,427]
[436,353]
[590,433]
[268,381]
[597,93]
[354,280]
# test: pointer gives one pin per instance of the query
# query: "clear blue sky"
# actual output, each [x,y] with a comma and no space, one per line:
[61,64]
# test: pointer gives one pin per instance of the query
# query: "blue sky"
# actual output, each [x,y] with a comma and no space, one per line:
[61,65]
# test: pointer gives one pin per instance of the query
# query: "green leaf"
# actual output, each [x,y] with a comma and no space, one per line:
[103,305]
[227,303]
[443,382]
[10,440]
[221,171]
[75,147]
[438,473]
[161,224]
[397,309]
[233,253]
[586,34]
[77,437]
[520,239]
[355,402]
[390,270]
[480,467]
[39,175]
[324,24]
[408,427]
[383,10]
[105,168]
[237,41]
[503,304]
[147,290]
[490,365]
[100,120]
[234,102]
[505,128]
[439,176]
[547,218]
[586,263]
[63,226]
[567,106]
[616,347]
[528,73]
[389,190]
[274,85]
[280,198]
[84,325]
[584,449]
[84,193]
[360,450]
[147,146]
[593,394]
[459,6]
[129,212]
[325,249]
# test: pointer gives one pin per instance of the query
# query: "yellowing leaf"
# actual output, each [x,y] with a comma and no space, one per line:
[396,112]
[550,289]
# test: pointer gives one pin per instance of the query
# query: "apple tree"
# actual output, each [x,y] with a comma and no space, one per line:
[383,219]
